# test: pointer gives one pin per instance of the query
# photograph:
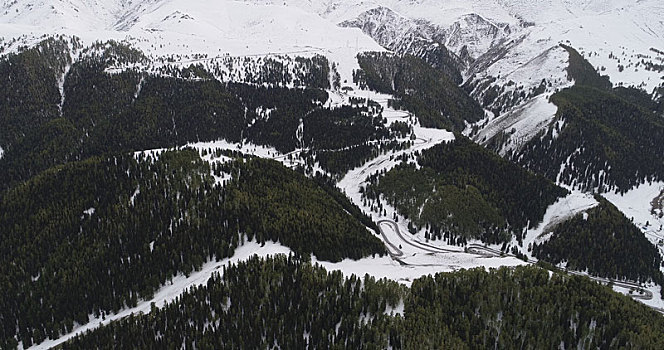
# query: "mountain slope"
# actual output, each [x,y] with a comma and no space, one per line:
[299,305]
[96,236]
[95,214]
[459,191]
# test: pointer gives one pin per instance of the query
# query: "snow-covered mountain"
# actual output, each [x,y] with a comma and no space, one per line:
[505,54]
[600,28]
[504,51]
[165,27]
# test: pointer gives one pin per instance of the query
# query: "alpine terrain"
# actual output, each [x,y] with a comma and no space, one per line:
[331,174]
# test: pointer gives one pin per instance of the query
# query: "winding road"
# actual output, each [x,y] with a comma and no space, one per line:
[397,254]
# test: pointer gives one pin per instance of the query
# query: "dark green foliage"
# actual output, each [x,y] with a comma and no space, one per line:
[659,98]
[291,209]
[275,113]
[525,308]
[636,97]
[339,162]
[329,186]
[258,304]
[442,59]
[112,53]
[436,100]
[284,302]
[332,129]
[606,142]
[583,73]
[273,71]
[317,70]
[128,111]
[464,191]
[429,200]
[29,89]
[122,112]
[605,244]
[93,237]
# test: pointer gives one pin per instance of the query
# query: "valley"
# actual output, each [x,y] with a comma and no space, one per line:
[152,152]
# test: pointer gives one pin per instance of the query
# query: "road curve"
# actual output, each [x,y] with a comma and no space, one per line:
[486,251]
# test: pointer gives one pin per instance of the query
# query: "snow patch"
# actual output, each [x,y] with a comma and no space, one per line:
[133,196]
[558,212]
[175,288]
[643,204]
[386,267]
[396,310]
[521,124]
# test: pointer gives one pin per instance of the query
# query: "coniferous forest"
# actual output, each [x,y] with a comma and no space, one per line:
[611,139]
[283,302]
[604,243]
[95,236]
[428,93]
[106,195]
[459,191]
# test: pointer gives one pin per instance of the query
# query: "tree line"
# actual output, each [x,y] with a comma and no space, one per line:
[287,303]
[96,236]
[435,99]
[459,190]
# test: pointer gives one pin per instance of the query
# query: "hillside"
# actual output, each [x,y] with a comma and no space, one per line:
[601,138]
[299,305]
[95,236]
[460,191]
[157,156]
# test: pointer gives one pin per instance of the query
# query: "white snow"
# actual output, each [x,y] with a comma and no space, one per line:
[640,205]
[520,124]
[89,211]
[150,153]
[385,267]
[533,29]
[395,310]
[185,28]
[656,302]
[254,29]
[133,196]
[379,267]
[2,152]
[176,287]
[563,209]
[637,204]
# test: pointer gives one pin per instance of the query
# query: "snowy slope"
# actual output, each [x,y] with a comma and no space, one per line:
[643,204]
[520,125]
[612,34]
[512,44]
[593,26]
[186,27]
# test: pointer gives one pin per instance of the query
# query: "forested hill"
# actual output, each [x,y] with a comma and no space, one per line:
[604,243]
[96,236]
[433,97]
[283,302]
[111,186]
[460,191]
[610,139]
[89,110]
